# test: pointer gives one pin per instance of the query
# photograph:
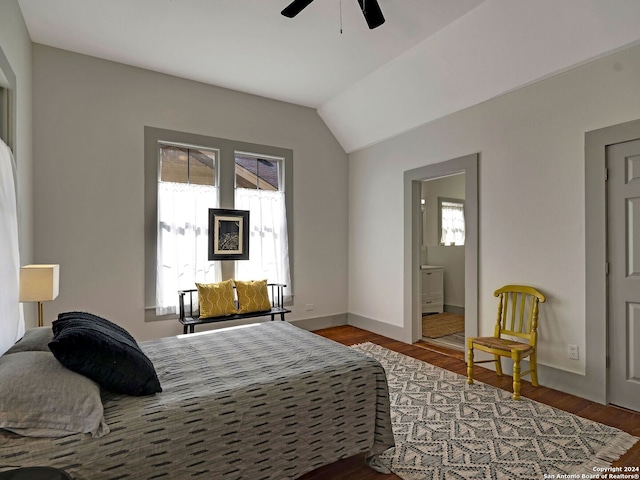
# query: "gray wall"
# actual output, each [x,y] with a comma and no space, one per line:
[531,204]
[88,141]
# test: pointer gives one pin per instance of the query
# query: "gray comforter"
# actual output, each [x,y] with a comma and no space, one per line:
[267,401]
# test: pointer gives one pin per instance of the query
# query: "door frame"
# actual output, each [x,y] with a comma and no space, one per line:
[412,193]
[596,312]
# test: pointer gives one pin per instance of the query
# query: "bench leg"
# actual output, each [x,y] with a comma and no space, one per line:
[192,328]
[282,317]
[184,329]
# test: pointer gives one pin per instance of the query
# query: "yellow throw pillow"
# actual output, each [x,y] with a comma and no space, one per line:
[252,296]
[216,299]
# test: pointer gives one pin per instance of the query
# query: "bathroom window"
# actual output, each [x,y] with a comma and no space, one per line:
[451,221]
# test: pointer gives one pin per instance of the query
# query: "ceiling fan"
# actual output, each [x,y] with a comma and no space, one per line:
[370,10]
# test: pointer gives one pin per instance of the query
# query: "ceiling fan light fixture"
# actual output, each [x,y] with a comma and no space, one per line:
[371,11]
[295,7]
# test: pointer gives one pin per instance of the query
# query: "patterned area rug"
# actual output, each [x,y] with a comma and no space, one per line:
[442,324]
[446,429]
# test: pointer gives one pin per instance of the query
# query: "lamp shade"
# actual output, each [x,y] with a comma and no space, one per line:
[39,283]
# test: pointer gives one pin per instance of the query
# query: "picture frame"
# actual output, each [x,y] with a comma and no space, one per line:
[228,234]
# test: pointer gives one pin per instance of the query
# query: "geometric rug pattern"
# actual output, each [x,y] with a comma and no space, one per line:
[445,429]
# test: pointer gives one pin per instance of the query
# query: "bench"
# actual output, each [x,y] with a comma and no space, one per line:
[189,320]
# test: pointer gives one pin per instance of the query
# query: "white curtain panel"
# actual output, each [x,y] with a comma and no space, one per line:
[453,227]
[268,240]
[183,259]
[11,319]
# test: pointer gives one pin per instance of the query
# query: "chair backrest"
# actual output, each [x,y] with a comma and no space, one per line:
[518,312]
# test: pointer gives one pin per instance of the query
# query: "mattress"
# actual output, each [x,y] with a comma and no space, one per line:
[264,401]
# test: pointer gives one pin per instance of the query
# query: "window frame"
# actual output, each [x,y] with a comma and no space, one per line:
[8,105]
[227,150]
[442,200]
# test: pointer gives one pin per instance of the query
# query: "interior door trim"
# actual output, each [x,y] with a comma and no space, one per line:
[412,321]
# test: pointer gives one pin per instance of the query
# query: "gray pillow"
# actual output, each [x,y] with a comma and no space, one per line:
[35,339]
[41,398]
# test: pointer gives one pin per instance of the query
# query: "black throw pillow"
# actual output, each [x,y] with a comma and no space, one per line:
[109,356]
[68,318]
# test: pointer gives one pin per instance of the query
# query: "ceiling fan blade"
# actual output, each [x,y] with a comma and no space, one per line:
[295,7]
[372,13]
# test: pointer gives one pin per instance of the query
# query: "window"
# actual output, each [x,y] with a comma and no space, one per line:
[185,175]
[259,189]
[186,191]
[451,218]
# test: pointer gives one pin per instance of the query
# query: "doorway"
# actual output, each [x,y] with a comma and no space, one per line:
[413,181]
[442,256]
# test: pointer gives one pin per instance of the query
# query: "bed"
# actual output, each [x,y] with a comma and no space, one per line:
[264,401]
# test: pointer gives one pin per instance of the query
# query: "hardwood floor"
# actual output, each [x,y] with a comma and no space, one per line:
[355,469]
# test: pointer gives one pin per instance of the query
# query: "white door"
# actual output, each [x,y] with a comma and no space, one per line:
[623,251]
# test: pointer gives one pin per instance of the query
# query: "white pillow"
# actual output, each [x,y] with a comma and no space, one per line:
[35,339]
[41,398]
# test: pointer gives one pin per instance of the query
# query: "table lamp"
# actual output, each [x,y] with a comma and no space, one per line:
[39,283]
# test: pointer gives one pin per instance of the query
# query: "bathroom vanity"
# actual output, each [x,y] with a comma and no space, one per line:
[432,287]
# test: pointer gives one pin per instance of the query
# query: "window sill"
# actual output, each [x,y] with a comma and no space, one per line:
[150,315]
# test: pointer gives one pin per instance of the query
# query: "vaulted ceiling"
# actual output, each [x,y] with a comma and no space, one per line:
[431,57]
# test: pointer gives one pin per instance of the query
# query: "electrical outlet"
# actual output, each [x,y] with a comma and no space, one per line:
[309,306]
[573,352]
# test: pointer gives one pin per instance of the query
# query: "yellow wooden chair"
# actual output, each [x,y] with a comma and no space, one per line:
[517,321]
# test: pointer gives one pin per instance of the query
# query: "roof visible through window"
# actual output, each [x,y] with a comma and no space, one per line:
[257,173]
[187,165]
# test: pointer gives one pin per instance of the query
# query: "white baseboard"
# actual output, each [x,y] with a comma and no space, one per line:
[375,326]
[568,382]
[454,309]
[550,377]
[321,322]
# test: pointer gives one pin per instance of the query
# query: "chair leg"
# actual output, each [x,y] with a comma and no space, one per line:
[498,361]
[533,368]
[516,375]
[469,361]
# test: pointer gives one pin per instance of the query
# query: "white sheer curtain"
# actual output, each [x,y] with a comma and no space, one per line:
[453,229]
[11,319]
[183,222]
[268,240]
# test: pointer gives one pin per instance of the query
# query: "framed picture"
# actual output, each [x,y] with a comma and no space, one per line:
[228,234]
